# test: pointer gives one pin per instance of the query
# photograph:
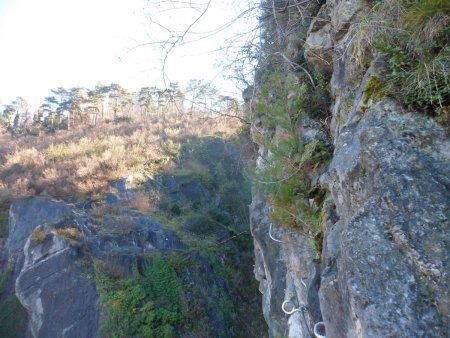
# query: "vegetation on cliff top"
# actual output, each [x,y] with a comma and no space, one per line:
[84,161]
[413,36]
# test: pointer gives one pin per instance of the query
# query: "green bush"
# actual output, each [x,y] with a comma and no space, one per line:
[199,224]
[219,215]
[285,178]
[146,305]
[281,101]
[13,318]
[175,209]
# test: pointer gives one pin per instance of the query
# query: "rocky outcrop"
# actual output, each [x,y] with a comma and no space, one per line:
[327,31]
[25,217]
[51,245]
[383,269]
[50,284]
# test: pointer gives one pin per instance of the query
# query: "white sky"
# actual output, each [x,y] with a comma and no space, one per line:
[45,44]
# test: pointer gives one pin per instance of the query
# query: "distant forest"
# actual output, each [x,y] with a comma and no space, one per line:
[71,108]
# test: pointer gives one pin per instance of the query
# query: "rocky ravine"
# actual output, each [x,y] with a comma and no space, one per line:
[384,267]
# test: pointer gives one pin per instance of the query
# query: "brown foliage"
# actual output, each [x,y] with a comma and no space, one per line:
[38,236]
[108,269]
[145,202]
[80,162]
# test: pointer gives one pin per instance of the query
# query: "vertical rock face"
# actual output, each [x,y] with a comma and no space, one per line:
[283,268]
[63,302]
[385,258]
[59,297]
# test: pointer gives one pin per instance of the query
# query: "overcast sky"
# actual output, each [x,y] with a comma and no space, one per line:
[50,43]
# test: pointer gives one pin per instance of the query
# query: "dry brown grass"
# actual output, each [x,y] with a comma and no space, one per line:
[108,269]
[69,234]
[38,236]
[145,202]
[84,161]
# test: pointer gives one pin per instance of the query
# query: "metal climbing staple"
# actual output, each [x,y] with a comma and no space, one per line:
[302,280]
[289,308]
[316,329]
[271,236]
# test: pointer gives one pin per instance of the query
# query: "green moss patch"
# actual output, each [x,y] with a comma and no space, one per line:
[375,90]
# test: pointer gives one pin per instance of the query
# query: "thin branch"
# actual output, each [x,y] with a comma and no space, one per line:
[293,64]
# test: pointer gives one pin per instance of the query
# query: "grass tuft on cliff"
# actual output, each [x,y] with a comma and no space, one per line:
[284,104]
[413,36]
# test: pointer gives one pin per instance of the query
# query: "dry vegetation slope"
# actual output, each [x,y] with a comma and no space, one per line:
[81,162]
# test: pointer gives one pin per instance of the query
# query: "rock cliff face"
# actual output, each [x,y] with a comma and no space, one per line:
[383,268]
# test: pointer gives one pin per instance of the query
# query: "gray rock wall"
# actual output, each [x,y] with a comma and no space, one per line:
[58,295]
[385,259]
[60,298]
